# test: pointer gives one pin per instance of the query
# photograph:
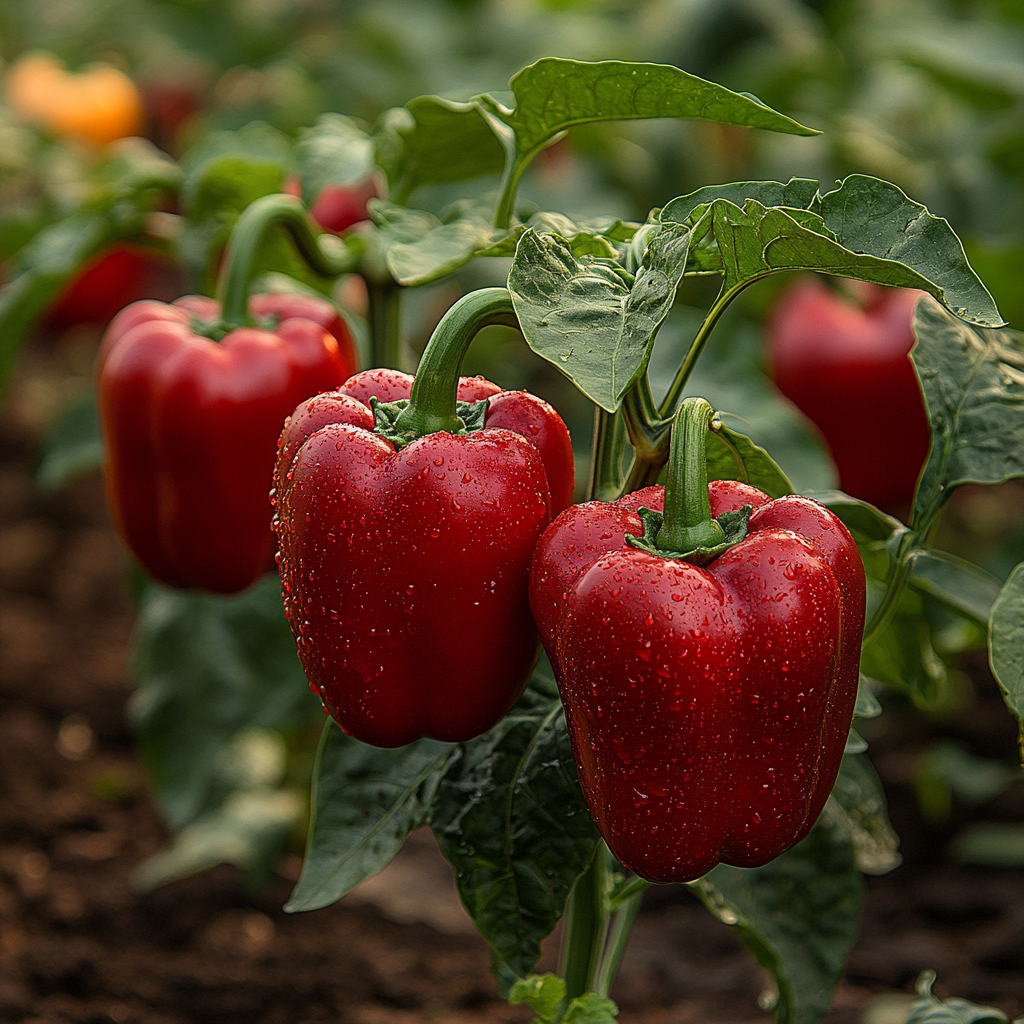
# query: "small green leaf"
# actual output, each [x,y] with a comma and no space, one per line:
[733,456]
[434,140]
[798,916]
[857,807]
[867,705]
[73,445]
[365,801]
[335,151]
[554,94]
[866,523]
[587,316]
[973,384]
[1006,645]
[510,818]
[929,1009]
[961,586]
[590,1008]
[208,668]
[545,994]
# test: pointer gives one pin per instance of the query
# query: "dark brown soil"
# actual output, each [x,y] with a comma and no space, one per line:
[77,944]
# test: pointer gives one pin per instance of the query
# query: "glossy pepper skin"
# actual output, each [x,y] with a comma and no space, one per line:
[708,707]
[405,571]
[845,367]
[191,427]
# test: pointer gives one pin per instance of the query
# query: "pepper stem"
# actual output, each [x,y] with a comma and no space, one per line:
[432,403]
[687,522]
[247,237]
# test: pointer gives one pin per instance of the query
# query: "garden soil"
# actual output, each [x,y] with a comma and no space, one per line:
[79,944]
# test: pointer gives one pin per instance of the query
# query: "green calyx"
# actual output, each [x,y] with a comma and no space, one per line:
[732,524]
[433,405]
[386,416]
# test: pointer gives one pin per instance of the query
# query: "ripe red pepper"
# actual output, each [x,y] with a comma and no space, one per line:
[191,426]
[846,368]
[405,547]
[338,207]
[708,705]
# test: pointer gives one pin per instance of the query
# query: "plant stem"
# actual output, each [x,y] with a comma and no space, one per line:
[688,523]
[606,455]
[586,925]
[899,574]
[432,403]
[247,237]
[385,317]
[619,930]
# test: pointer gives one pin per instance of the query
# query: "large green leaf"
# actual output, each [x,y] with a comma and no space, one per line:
[510,817]
[798,916]
[208,668]
[555,94]
[973,384]
[1006,644]
[590,318]
[366,800]
[961,586]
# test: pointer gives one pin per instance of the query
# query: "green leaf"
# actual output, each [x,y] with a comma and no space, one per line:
[510,817]
[929,1009]
[554,94]
[365,801]
[798,916]
[865,522]
[865,229]
[961,586]
[250,827]
[208,668]
[733,456]
[1006,645]
[973,384]
[434,140]
[73,445]
[857,808]
[587,316]
[545,993]
[335,151]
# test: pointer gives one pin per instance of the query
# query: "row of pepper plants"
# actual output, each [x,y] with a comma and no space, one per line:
[716,645]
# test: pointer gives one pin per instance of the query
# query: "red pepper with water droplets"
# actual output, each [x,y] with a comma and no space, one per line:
[709,679]
[407,511]
[191,412]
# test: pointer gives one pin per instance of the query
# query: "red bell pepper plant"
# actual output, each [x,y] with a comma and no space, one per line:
[845,366]
[192,396]
[406,528]
[708,659]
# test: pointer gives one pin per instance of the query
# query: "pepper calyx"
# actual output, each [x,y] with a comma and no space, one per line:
[471,417]
[734,526]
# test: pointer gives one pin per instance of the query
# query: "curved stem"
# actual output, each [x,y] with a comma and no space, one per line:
[432,403]
[385,317]
[902,568]
[687,522]
[248,235]
[606,455]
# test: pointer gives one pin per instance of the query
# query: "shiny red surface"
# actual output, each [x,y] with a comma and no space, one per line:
[846,368]
[405,573]
[708,707]
[191,428]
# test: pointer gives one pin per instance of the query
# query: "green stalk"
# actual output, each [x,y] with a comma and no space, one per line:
[385,319]
[619,931]
[586,926]
[247,237]
[432,404]
[606,456]
[687,522]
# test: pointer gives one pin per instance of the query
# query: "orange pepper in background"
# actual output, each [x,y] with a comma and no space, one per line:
[99,104]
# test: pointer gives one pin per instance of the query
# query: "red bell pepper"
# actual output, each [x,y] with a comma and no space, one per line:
[191,424]
[708,704]
[846,368]
[405,546]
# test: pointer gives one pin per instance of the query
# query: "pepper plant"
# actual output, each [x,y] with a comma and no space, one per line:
[222,695]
